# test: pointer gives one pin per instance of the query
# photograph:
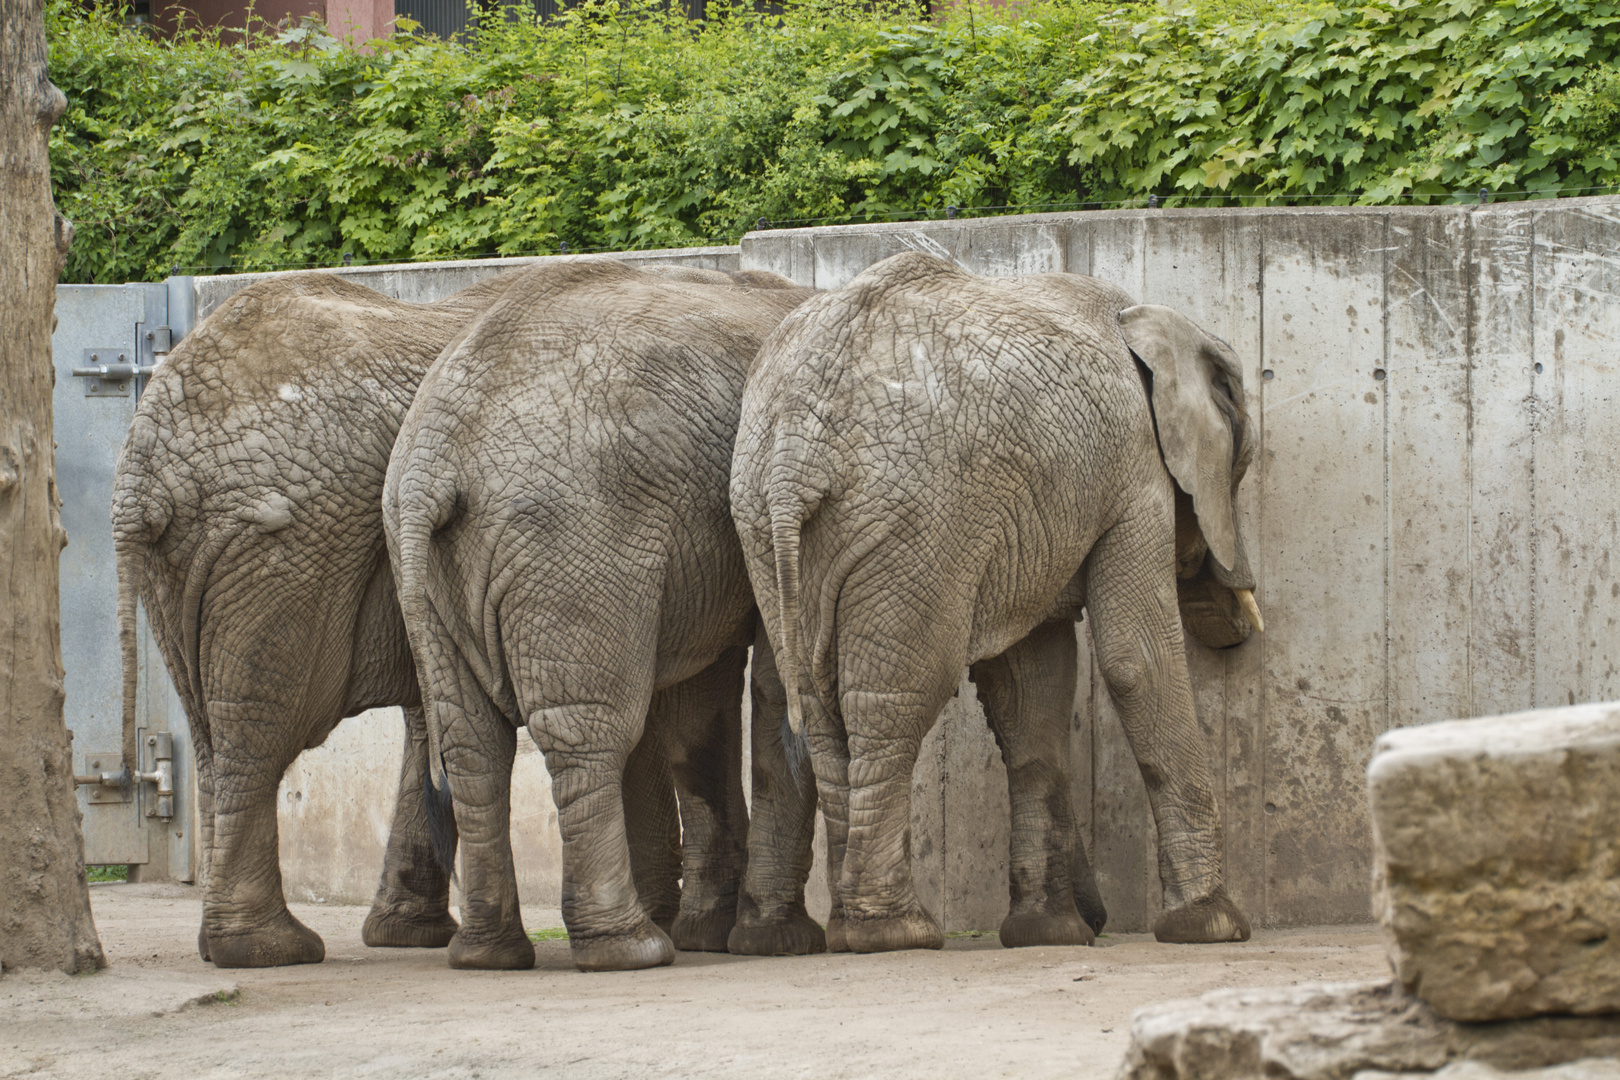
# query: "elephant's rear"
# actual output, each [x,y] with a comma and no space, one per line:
[887,470]
[271,420]
[588,421]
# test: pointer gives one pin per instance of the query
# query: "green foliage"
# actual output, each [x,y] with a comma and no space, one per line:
[1385,100]
[621,125]
[106,873]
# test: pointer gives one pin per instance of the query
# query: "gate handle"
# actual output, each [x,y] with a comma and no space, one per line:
[112,371]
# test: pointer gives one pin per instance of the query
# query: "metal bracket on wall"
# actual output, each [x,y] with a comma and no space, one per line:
[116,787]
[109,371]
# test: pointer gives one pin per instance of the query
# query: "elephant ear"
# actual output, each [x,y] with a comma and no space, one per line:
[1199,413]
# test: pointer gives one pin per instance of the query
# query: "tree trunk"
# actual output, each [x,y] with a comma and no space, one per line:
[45,917]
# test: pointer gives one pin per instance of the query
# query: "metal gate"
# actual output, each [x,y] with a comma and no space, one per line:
[106,336]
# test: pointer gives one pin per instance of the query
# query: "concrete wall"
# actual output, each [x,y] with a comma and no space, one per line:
[1430,517]
[423,283]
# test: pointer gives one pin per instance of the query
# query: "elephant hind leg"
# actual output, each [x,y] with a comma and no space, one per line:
[881,909]
[412,905]
[608,930]
[245,918]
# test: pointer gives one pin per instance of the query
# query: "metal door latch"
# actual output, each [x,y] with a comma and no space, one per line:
[109,378]
[117,786]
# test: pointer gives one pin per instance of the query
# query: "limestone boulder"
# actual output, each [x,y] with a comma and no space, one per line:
[1335,1031]
[1497,858]
[1585,1069]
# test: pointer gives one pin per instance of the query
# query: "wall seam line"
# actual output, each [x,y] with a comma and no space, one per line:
[1265,689]
[1535,424]
[1389,510]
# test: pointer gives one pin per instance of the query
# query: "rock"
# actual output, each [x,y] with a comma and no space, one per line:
[1585,1069]
[1332,1031]
[1497,857]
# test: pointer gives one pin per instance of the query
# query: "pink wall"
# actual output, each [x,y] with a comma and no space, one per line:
[359,20]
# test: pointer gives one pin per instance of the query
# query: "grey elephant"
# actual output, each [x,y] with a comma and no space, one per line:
[557,515]
[247,518]
[937,470]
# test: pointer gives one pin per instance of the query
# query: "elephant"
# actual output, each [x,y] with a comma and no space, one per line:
[557,515]
[936,470]
[247,518]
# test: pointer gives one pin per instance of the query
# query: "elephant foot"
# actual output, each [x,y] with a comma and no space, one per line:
[645,947]
[284,942]
[508,951]
[705,931]
[912,929]
[837,931]
[794,933]
[1025,928]
[1209,918]
[393,929]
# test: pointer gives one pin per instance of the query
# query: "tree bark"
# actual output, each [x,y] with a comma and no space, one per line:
[45,919]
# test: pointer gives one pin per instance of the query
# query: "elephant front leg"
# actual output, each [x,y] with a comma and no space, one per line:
[245,918]
[1028,694]
[771,915]
[652,822]
[478,768]
[701,724]
[1136,628]
[412,906]
[607,928]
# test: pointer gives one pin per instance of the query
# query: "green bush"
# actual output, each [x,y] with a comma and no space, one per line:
[620,126]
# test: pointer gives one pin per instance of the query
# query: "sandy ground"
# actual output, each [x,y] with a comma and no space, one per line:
[974,1010]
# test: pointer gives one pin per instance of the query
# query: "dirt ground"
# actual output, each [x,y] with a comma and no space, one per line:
[974,1010]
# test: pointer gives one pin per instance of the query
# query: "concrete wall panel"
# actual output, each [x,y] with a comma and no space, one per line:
[1501,454]
[1322,571]
[1575,352]
[1427,404]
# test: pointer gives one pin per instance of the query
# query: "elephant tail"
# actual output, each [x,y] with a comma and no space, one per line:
[789,510]
[416,516]
[130,570]
[141,513]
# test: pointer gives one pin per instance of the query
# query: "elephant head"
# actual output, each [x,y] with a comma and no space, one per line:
[1206,439]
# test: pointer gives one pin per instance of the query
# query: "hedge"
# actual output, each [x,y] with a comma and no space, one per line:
[619,125]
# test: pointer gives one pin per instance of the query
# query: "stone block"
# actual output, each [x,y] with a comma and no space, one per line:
[1334,1031]
[1585,1069]
[1497,861]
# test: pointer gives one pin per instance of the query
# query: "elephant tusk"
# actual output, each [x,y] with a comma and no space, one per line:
[1251,610]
